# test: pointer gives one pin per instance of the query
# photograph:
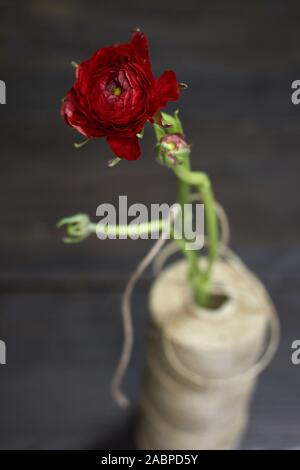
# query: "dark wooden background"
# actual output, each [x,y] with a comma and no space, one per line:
[60,305]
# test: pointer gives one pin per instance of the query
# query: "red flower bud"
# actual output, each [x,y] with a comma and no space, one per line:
[172,148]
[176,141]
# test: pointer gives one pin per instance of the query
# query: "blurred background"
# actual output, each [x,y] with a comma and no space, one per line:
[60,304]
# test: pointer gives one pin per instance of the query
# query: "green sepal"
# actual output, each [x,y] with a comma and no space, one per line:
[113,162]
[78,145]
[178,156]
[178,122]
[160,132]
[174,123]
[140,135]
[158,153]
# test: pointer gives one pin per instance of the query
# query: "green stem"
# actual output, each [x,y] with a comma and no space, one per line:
[191,255]
[187,178]
[129,230]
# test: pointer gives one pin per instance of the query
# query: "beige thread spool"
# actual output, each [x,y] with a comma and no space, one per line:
[202,366]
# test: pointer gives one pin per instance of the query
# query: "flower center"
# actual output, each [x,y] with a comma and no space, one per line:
[117,90]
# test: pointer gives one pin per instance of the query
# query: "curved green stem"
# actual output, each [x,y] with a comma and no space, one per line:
[201,181]
[191,255]
[78,227]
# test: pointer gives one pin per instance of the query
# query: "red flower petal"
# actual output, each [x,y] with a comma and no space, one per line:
[165,89]
[125,147]
[139,43]
[73,116]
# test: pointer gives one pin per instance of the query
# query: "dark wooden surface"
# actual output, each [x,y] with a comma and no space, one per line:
[60,305]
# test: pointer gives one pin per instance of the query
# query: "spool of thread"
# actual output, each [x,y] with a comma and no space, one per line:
[202,365]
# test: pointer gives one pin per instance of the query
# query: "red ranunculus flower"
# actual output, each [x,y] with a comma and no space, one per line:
[115,93]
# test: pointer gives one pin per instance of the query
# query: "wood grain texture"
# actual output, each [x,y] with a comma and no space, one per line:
[60,304]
